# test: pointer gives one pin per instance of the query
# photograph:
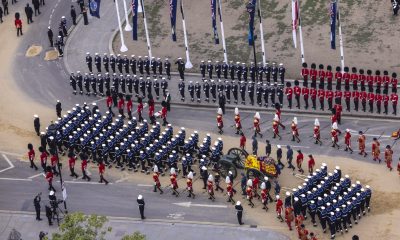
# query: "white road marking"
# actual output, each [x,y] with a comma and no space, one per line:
[145,185]
[13,154]
[17,179]
[190,204]
[295,146]
[121,180]
[9,162]
[37,175]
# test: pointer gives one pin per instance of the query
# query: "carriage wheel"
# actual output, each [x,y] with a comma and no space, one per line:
[225,167]
[240,155]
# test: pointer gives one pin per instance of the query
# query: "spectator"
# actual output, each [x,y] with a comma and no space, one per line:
[255,145]
[289,157]
[267,148]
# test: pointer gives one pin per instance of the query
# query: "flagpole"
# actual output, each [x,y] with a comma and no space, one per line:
[128,27]
[123,46]
[188,63]
[294,23]
[262,34]
[222,31]
[145,28]
[340,38]
[301,35]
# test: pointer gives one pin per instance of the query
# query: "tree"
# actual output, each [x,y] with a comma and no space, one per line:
[135,236]
[77,226]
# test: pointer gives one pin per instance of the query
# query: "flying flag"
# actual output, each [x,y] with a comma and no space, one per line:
[333,13]
[172,13]
[134,19]
[94,8]
[214,20]
[295,21]
[251,8]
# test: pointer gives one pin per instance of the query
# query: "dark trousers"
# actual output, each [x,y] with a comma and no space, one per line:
[321,103]
[73,174]
[306,101]
[356,104]
[19,32]
[85,176]
[348,105]
[51,42]
[385,107]
[371,106]
[297,97]
[74,20]
[395,109]
[141,210]
[102,179]
[37,210]
[37,11]
[33,165]
[239,217]
[290,102]
[314,103]
[332,228]
[29,19]
[51,187]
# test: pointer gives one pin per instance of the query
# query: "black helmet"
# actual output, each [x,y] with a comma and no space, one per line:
[385,73]
[369,72]
[304,65]
[394,75]
[277,106]
[296,82]
[321,66]
[377,72]
[354,70]
[338,69]
[346,69]
[361,71]
[313,66]
[288,84]
[329,67]
[333,111]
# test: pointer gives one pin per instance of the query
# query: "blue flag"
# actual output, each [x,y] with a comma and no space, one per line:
[214,20]
[134,19]
[251,7]
[333,14]
[94,8]
[172,13]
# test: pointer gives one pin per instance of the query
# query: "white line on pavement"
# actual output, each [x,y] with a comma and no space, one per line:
[37,175]
[17,179]
[12,154]
[9,162]
[92,183]
[190,204]
[121,180]
[295,146]
[145,185]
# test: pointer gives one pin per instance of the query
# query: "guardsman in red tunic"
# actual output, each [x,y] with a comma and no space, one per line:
[43,157]
[356,99]
[321,76]
[354,78]
[140,109]
[363,96]
[289,94]
[394,98]
[220,122]
[210,187]
[311,164]
[338,96]
[256,181]
[378,81]
[313,93]
[229,190]
[299,161]
[305,73]
[129,106]
[385,103]
[295,130]
[297,92]
[275,127]
[264,196]
[378,100]
[386,82]
[49,178]
[54,162]
[362,78]
[102,169]
[279,208]
[375,150]
[238,124]
[306,92]
[298,221]
[338,112]
[347,141]
[151,105]
[156,179]
[31,156]
[346,78]
[313,75]
[347,97]
[389,157]
[370,81]
[256,123]
[334,135]
[121,105]
[371,99]
[71,163]
[321,97]
[394,81]
[278,112]
[329,76]
[174,182]
[338,78]
[84,167]
[361,143]
[110,103]
[329,97]
[242,141]
[189,185]
[164,111]
[289,217]
[249,192]
[317,133]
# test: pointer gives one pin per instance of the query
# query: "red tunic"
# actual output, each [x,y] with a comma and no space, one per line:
[346,78]
[189,184]
[140,108]
[164,112]
[311,163]
[361,142]
[238,124]
[329,76]
[385,100]
[278,207]
[264,195]
[305,72]
[347,139]
[321,94]
[297,90]
[54,160]
[249,192]
[289,91]
[174,183]
[375,149]
[299,158]
[129,106]
[305,91]
[334,135]
[43,157]
[278,112]
[121,104]
[109,101]
[210,187]
[71,162]
[256,124]
[313,93]
[49,176]
[84,165]
[229,189]
[317,133]
[220,122]
[394,82]
[31,155]
[102,168]
[394,98]
[242,141]
[275,127]
[313,74]
[295,130]
[156,179]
